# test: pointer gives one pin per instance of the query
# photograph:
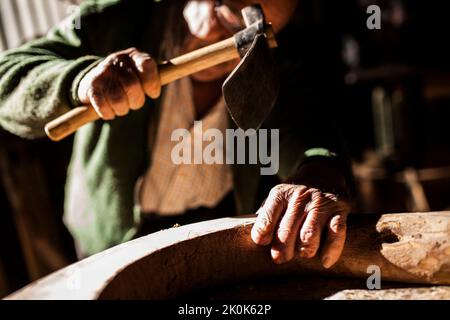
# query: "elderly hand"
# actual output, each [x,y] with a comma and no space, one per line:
[119,83]
[296,218]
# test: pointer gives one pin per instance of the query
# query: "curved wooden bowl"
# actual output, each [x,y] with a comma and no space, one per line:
[178,261]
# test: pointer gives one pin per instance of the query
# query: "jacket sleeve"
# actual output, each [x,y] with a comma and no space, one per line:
[39,80]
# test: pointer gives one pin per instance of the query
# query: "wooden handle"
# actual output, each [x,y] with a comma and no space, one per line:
[70,122]
[198,60]
[169,71]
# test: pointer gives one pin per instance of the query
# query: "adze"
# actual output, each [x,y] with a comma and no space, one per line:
[250,91]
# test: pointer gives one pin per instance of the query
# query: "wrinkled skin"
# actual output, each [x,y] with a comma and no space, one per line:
[120,83]
[297,215]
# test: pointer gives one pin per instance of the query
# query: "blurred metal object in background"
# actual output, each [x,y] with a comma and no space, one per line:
[24,20]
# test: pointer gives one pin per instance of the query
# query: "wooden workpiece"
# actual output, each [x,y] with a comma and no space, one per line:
[411,248]
[432,293]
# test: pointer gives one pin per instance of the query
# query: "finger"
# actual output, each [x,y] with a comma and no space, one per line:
[147,71]
[268,216]
[115,94]
[131,84]
[100,103]
[335,240]
[283,247]
[317,215]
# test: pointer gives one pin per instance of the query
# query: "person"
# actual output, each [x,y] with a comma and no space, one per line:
[121,182]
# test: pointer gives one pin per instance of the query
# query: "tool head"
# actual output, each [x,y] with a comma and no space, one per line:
[251,90]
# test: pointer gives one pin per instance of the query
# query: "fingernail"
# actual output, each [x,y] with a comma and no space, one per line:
[277,257]
[260,240]
[326,262]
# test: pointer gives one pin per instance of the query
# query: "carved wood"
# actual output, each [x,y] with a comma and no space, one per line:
[432,293]
[409,247]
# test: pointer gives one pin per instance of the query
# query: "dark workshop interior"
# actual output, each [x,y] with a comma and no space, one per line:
[393,110]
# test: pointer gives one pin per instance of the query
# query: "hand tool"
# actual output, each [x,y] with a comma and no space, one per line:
[250,91]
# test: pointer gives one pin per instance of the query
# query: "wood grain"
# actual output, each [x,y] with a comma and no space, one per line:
[432,293]
[409,247]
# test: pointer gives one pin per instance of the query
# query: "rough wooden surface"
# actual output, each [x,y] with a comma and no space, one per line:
[423,248]
[411,248]
[433,293]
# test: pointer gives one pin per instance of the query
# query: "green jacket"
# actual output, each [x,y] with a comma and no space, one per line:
[39,81]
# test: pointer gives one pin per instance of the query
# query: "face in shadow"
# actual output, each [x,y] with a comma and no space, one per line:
[211,21]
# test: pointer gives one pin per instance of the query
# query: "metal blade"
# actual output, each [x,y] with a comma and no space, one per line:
[251,90]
